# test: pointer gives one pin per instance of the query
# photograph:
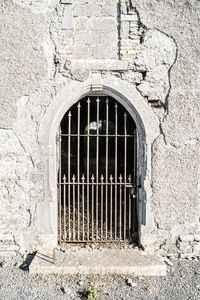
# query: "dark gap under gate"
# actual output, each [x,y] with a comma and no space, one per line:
[97,178]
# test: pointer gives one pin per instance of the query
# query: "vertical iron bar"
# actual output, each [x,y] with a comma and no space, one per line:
[69,175]
[120,207]
[60,174]
[78,170]
[125,167]
[102,178]
[116,154]
[83,207]
[64,205]
[97,168]
[92,206]
[74,234]
[135,203]
[88,167]
[130,208]
[135,157]
[111,204]
[106,202]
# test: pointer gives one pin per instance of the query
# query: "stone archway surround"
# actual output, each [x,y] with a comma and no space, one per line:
[148,129]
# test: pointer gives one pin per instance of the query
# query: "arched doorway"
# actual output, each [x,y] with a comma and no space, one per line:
[97,177]
[147,130]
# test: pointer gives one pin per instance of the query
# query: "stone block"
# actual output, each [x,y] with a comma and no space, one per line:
[110,38]
[109,23]
[109,52]
[100,65]
[124,30]
[79,10]
[109,10]
[66,1]
[67,17]
[184,247]
[134,29]
[89,39]
[134,77]
[186,255]
[133,24]
[9,248]
[8,253]
[92,38]
[81,51]
[186,238]
[197,237]
[123,8]
[93,10]
[80,38]
[129,18]
[6,237]
[196,249]
[80,74]
[81,24]
[95,51]
[95,23]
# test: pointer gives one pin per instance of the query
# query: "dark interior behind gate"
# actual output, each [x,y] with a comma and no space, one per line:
[97,172]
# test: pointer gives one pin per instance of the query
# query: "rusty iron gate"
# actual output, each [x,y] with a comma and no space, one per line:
[97,172]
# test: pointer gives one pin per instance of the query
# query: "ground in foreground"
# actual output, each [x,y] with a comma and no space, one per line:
[182,282]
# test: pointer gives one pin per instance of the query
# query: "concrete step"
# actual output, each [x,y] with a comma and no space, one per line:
[99,261]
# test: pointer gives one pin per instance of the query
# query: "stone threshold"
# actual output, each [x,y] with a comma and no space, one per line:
[98,261]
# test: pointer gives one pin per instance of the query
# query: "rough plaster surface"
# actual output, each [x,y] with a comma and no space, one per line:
[176,153]
[23,64]
[38,6]
[39,57]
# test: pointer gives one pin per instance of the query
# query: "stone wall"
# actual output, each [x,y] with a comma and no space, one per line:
[152,45]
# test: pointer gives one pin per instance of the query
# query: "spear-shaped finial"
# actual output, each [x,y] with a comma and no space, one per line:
[83,178]
[129,178]
[79,105]
[92,178]
[120,178]
[69,114]
[64,178]
[102,178]
[111,178]
[88,100]
[73,178]
[98,100]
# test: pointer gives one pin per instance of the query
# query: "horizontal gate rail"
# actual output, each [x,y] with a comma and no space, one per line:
[100,229]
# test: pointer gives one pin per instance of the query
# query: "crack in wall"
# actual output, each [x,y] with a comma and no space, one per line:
[30,216]
[55,59]
[23,147]
[169,74]
[16,244]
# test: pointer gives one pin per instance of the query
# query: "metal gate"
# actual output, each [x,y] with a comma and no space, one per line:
[97,172]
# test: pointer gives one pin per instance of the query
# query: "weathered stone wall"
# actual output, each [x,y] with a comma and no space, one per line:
[176,153]
[153,46]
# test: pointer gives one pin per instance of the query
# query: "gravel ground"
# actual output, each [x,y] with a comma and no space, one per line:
[182,282]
